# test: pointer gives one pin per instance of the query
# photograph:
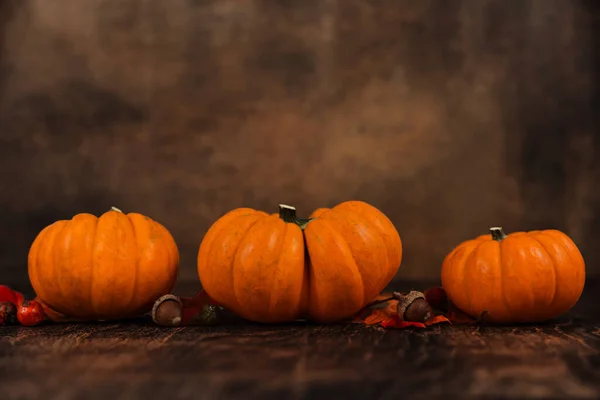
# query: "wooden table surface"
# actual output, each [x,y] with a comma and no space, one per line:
[136,360]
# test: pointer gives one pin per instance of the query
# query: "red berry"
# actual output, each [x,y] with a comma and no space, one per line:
[7,294]
[8,313]
[30,313]
[18,298]
[437,298]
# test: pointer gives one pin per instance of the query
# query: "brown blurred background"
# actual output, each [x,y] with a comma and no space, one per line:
[449,116]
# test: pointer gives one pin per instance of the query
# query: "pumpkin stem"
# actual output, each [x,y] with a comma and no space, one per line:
[288,214]
[116,209]
[497,233]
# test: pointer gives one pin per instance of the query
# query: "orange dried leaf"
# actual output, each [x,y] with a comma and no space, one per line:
[375,318]
[385,315]
[438,319]
[395,322]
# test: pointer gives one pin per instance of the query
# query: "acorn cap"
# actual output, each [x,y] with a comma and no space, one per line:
[414,307]
[167,311]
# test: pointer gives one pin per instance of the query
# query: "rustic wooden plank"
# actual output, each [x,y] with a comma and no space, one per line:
[136,360]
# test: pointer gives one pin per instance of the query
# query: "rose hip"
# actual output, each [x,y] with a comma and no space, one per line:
[437,298]
[7,294]
[30,313]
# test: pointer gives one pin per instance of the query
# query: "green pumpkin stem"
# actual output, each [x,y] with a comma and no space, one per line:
[288,214]
[497,233]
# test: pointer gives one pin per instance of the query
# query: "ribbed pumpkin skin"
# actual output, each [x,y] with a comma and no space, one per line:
[267,270]
[100,268]
[253,264]
[525,277]
[354,252]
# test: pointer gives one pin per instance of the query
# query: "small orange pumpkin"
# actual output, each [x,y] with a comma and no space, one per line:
[521,277]
[99,268]
[278,268]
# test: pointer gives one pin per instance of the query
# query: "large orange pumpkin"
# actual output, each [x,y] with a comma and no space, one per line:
[516,278]
[277,268]
[107,267]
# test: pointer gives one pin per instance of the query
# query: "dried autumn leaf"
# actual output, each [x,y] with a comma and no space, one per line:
[438,319]
[394,322]
[385,315]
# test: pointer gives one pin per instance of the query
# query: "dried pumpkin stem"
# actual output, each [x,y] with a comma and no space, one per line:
[288,214]
[497,233]
[116,209]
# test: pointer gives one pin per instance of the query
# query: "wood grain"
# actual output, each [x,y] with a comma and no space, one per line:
[137,360]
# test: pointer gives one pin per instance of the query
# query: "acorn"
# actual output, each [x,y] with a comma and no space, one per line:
[167,311]
[413,307]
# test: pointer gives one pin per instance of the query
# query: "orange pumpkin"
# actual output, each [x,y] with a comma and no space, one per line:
[107,267]
[277,268]
[521,277]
